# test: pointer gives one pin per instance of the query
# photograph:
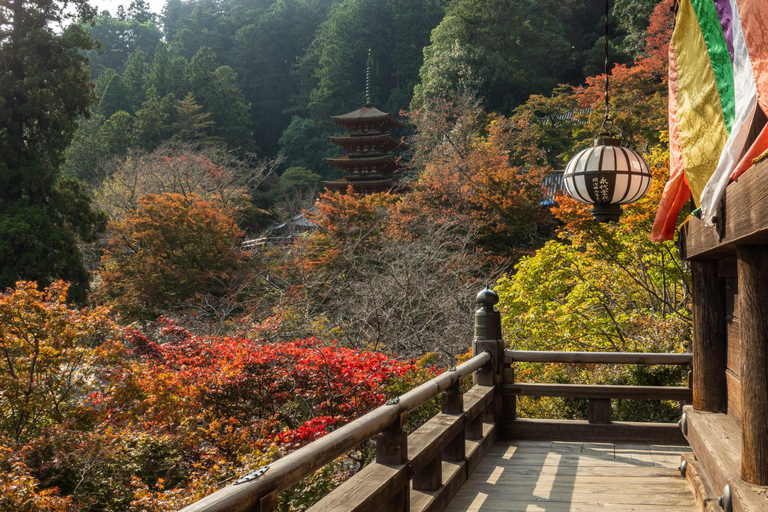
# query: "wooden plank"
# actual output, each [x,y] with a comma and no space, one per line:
[709,337]
[454,476]
[682,394]
[662,497]
[703,487]
[476,450]
[370,490]
[511,356]
[716,442]
[733,355]
[743,219]
[640,452]
[753,284]
[569,430]
[734,397]
[482,504]
[667,456]
[428,441]
[731,297]
[554,476]
[476,399]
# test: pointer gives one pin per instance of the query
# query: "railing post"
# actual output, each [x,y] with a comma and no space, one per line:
[453,403]
[599,410]
[488,338]
[392,449]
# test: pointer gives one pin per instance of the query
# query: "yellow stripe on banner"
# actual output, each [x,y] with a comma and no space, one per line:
[702,126]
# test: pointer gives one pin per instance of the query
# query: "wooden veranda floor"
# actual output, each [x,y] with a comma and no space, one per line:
[558,476]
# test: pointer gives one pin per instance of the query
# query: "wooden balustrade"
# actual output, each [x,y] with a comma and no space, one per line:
[522,356]
[599,425]
[386,421]
[423,471]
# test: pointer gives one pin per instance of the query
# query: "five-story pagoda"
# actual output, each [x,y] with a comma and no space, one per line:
[370,162]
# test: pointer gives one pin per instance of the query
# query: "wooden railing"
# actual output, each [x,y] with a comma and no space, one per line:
[598,396]
[424,470]
[433,461]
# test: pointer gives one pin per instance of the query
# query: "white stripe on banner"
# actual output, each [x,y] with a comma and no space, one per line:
[746,105]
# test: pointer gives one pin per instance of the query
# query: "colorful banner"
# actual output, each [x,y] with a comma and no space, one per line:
[717,74]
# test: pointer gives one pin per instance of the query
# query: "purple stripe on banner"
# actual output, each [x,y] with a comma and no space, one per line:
[725,13]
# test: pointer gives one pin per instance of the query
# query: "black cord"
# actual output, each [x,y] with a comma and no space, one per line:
[607,122]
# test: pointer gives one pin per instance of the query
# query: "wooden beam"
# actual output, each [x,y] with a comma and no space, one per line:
[372,489]
[703,487]
[716,442]
[527,356]
[476,399]
[741,220]
[599,410]
[427,442]
[710,344]
[681,394]
[582,431]
[753,307]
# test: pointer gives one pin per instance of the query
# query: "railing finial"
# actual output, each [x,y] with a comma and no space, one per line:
[487,317]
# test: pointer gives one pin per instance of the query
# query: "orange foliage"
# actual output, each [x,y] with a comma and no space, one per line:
[167,251]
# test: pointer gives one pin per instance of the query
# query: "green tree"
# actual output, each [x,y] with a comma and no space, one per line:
[332,73]
[134,79]
[192,123]
[632,17]
[115,97]
[119,39]
[299,178]
[44,79]
[305,144]
[506,50]
[264,54]
[601,287]
[154,121]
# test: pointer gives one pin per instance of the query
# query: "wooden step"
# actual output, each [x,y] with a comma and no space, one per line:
[716,442]
[701,483]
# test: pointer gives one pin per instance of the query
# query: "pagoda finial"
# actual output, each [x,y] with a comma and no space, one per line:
[369,80]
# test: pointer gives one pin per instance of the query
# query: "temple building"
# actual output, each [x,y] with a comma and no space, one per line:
[369,163]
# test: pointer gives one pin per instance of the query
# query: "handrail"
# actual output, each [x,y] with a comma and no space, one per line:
[608,391]
[524,356]
[291,469]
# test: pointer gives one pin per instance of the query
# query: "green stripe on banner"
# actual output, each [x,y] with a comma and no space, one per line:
[717,49]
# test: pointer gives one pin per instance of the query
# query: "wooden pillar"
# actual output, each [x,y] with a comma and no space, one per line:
[753,319]
[392,448]
[488,339]
[709,338]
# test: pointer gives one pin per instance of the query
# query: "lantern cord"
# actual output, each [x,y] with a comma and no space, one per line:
[607,127]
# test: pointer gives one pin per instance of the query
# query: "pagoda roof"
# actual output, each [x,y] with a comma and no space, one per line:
[347,141]
[367,113]
[345,162]
[361,185]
